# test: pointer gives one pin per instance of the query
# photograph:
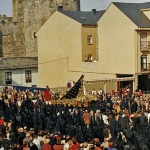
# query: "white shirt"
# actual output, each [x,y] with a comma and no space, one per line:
[66,146]
[100,91]
[148,116]
[105,119]
[37,142]
[93,92]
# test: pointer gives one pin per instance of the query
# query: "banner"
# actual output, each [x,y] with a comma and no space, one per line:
[73,92]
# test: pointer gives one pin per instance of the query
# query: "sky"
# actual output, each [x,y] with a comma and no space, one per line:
[86,5]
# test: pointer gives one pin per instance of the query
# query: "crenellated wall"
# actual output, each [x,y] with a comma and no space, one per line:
[28,16]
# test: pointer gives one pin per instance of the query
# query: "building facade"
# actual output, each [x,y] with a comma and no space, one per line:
[112,47]
[20,71]
[125,26]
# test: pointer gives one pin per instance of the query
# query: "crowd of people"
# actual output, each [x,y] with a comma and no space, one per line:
[98,121]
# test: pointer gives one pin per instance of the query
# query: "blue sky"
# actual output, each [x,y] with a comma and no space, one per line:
[6,7]
[86,5]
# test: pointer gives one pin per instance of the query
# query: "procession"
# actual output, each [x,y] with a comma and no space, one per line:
[97,121]
[45,44]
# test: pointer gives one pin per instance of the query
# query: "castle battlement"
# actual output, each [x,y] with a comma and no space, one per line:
[27,17]
[2,16]
[5,19]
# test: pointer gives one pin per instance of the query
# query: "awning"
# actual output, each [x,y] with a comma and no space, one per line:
[110,80]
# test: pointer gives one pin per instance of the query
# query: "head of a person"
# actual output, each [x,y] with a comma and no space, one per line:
[98,144]
[27,134]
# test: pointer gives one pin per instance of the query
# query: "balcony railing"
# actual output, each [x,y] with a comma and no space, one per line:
[145,67]
[145,45]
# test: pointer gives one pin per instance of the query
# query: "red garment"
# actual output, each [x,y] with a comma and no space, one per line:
[58,147]
[47,95]
[57,137]
[26,148]
[46,147]
[98,148]
[74,146]
[1,122]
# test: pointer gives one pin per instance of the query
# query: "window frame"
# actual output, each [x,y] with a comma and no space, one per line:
[143,40]
[89,40]
[28,76]
[143,62]
[8,77]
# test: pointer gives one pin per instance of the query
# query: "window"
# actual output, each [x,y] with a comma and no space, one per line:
[89,57]
[8,77]
[143,40]
[89,39]
[143,62]
[28,76]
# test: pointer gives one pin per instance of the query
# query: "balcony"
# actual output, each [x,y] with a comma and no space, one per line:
[145,46]
[145,67]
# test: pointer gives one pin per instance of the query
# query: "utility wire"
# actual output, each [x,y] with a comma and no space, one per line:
[53,60]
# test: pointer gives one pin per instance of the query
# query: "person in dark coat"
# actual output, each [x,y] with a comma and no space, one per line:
[69,117]
[6,143]
[93,123]
[134,106]
[124,104]
[142,121]
[50,124]
[70,130]
[124,122]
[79,134]
[141,142]
[21,136]
[89,134]
[112,125]
[76,118]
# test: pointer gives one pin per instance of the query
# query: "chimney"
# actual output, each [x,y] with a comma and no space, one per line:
[60,7]
[93,11]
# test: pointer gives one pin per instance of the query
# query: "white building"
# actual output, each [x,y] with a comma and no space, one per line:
[19,71]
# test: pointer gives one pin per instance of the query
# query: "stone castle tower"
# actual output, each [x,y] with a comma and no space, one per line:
[17,33]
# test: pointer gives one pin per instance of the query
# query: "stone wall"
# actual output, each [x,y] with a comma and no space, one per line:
[13,43]
[18,32]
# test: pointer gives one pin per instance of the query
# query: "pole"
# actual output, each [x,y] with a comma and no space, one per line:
[105,87]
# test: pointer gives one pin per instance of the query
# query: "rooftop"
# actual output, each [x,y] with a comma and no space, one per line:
[85,18]
[134,13]
[19,62]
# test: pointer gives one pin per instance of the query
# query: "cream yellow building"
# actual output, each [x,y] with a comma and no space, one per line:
[104,46]
[67,47]
[125,27]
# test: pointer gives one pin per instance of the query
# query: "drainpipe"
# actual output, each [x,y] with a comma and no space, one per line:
[135,83]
